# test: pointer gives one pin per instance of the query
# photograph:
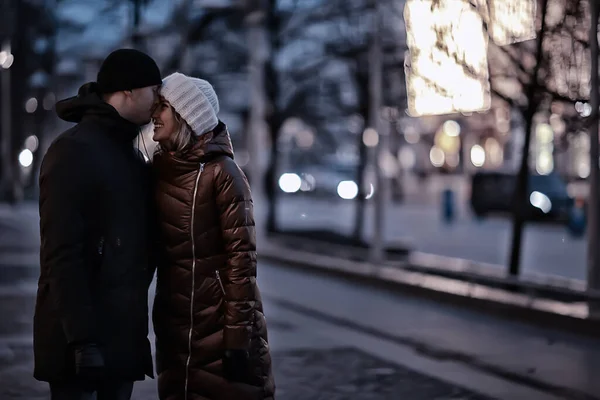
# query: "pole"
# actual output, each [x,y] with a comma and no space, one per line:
[255,141]
[593,276]
[6,151]
[375,95]
[274,119]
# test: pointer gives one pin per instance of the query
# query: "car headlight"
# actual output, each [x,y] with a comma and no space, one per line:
[290,183]
[541,201]
[347,190]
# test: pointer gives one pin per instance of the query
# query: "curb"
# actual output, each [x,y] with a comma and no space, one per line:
[461,265]
[534,285]
[567,316]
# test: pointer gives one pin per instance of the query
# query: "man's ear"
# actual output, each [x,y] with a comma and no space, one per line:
[128,93]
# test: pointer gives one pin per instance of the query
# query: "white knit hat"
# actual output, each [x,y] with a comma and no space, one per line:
[194,99]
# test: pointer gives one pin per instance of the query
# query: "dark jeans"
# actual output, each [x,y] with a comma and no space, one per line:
[78,391]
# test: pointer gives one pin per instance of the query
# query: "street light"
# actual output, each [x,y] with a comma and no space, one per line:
[6,59]
[26,158]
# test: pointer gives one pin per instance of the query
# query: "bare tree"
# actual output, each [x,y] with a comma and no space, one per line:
[297,85]
[529,77]
[349,27]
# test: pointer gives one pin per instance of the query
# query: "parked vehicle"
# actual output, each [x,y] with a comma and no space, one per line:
[547,199]
[326,176]
[337,181]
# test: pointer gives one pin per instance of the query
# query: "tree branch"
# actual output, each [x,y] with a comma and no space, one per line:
[513,58]
[503,97]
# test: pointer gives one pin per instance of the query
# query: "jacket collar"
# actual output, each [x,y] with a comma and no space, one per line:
[89,106]
[208,146]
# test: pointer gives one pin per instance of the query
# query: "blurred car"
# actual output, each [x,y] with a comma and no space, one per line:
[547,200]
[332,180]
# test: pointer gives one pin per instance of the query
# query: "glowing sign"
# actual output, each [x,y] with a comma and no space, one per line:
[447,70]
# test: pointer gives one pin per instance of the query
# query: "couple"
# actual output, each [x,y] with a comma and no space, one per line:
[108,220]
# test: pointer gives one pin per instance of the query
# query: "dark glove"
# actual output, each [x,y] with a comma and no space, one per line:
[236,365]
[89,363]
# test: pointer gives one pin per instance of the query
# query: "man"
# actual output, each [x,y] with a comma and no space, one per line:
[91,316]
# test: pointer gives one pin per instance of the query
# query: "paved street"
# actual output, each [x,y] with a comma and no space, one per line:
[547,249]
[333,339]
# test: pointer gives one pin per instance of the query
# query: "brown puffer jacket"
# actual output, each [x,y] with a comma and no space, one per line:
[207,300]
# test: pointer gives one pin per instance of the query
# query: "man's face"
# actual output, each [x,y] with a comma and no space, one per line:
[142,104]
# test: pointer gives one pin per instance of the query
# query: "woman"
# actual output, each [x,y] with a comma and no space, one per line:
[211,335]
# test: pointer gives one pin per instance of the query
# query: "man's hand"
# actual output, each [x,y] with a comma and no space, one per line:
[236,365]
[89,362]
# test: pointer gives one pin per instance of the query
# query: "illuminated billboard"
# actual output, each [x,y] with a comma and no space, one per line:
[447,69]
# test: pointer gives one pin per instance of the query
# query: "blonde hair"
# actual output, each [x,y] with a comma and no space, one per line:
[182,139]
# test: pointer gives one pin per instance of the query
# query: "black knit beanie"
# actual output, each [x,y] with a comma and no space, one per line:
[127,69]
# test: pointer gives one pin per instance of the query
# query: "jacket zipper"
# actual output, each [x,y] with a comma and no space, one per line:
[101,246]
[189,358]
[218,275]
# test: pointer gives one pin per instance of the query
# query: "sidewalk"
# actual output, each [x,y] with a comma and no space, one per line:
[19,243]
[517,347]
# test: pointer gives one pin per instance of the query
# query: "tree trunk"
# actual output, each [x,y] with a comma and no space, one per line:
[183,24]
[20,74]
[40,129]
[375,107]
[136,39]
[274,123]
[363,156]
[521,189]
[274,118]
[360,201]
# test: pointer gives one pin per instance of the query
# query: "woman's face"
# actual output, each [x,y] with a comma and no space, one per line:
[165,125]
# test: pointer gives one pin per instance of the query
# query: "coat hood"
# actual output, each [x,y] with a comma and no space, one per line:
[89,105]
[87,101]
[213,144]
[209,146]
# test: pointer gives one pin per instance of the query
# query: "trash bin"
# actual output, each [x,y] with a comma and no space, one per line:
[448,208]
[577,219]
